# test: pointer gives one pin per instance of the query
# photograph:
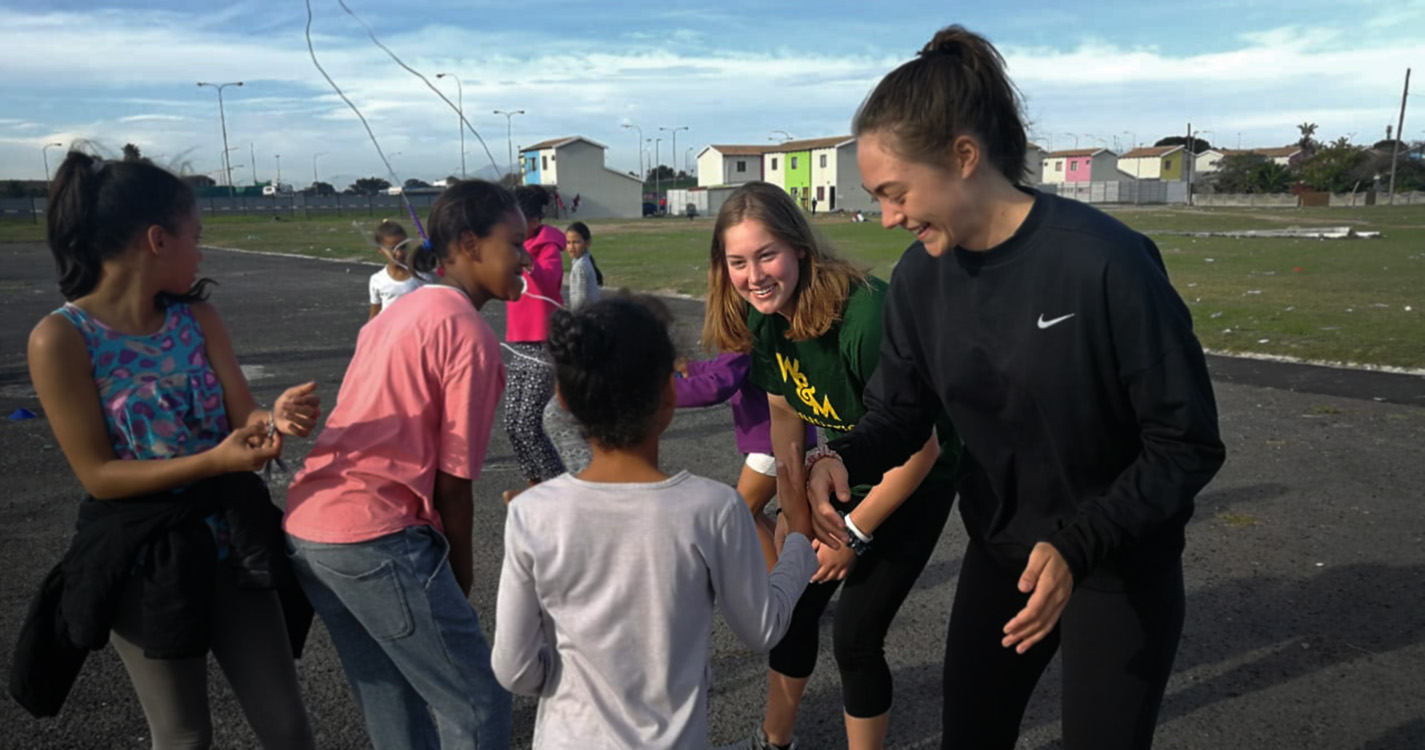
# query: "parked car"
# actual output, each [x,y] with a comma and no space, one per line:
[650,208]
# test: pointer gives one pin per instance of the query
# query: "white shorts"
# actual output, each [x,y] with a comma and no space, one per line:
[762,464]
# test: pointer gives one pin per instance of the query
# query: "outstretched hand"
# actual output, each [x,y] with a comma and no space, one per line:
[297,410]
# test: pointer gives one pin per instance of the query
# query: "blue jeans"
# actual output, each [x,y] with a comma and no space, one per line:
[408,639]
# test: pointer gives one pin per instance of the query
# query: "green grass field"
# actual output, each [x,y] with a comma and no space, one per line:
[1347,303]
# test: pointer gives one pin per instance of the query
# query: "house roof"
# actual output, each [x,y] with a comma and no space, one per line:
[559,142]
[1150,152]
[733,150]
[1078,152]
[1271,153]
[808,144]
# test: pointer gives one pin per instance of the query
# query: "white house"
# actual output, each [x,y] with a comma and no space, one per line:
[1208,161]
[575,165]
[1154,163]
[730,165]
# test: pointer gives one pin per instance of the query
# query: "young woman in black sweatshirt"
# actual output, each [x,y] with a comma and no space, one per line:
[1051,335]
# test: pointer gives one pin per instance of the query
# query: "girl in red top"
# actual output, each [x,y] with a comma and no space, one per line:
[530,382]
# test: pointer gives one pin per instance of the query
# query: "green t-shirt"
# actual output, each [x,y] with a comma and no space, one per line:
[823,378]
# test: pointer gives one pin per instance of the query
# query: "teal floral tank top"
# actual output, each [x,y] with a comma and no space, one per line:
[160,396]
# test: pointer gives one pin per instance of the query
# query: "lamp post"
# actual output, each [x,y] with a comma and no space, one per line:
[252,160]
[223,118]
[315,180]
[509,135]
[641,173]
[44,154]
[278,184]
[460,108]
[1075,136]
[687,161]
[674,151]
[785,135]
[657,167]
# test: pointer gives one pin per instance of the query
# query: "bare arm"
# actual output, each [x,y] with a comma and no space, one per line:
[456,506]
[61,372]
[375,310]
[789,448]
[895,487]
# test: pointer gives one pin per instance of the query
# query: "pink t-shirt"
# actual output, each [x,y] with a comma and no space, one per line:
[419,396]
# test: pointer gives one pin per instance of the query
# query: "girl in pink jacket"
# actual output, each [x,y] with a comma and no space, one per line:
[530,382]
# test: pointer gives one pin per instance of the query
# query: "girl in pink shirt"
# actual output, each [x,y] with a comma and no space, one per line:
[384,500]
[531,378]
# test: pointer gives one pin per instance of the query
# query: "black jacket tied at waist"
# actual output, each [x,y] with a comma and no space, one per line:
[163,539]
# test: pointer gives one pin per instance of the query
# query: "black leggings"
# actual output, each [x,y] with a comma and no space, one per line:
[1118,649]
[528,387]
[875,589]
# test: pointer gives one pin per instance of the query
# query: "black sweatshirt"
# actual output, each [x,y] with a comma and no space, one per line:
[1069,366]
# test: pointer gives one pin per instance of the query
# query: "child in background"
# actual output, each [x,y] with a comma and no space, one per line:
[526,329]
[610,577]
[395,280]
[585,280]
[379,520]
[724,379]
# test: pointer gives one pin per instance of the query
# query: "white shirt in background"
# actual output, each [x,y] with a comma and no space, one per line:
[385,290]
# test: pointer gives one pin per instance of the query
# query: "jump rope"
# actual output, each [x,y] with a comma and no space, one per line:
[390,171]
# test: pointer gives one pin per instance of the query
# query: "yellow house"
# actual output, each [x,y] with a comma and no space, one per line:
[1155,163]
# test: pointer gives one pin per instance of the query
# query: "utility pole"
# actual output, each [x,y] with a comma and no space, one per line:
[227,163]
[460,111]
[252,161]
[1187,164]
[1399,133]
[642,174]
[509,137]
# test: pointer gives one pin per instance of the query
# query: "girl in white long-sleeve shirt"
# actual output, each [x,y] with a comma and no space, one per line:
[610,576]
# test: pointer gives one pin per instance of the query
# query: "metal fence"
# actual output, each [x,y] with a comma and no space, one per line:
[32,210]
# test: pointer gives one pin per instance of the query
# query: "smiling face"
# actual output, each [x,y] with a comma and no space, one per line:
[934,203]
[491,267]
[763,269]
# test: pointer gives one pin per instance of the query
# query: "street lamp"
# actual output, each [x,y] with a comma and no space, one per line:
[785,135]
[44,154]
[278,185]
[1075,136]
[460,108]
[223,118]
[674,152]
[687,161]
[315,180]
[657,167]
[641,173]
[509,136]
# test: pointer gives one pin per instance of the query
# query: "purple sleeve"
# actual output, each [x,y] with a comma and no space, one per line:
[714,381]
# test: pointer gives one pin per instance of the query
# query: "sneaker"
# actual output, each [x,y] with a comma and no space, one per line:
[757,741]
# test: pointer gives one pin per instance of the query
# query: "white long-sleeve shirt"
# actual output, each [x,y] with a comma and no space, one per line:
[605,606]
[583,283]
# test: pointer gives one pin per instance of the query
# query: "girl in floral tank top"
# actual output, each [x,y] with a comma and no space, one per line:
[138,380]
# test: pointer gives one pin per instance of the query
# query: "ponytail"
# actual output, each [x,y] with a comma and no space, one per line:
[956,86]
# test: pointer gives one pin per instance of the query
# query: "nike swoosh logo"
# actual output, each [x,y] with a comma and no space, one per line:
[1047,323]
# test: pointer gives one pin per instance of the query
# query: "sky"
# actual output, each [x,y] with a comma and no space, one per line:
[1111,73]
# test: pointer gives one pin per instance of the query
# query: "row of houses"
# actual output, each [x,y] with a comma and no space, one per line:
[1166,163]
[820,174]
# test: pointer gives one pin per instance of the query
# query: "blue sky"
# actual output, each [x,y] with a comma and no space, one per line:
[1104,73]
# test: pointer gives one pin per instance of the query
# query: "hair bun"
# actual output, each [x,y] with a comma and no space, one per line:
[954,41]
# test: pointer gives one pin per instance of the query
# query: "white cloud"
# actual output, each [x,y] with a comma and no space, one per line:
[1262,84]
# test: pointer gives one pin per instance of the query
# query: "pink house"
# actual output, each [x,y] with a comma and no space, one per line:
[1080,165]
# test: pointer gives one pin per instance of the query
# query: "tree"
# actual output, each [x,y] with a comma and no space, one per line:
[199,181]
[1335,168]
[415,183]
[1250,173]
[661,172]
[368,186]
[1307,143]
[132,154]
[320,189]
[1198,144]
[1389,144]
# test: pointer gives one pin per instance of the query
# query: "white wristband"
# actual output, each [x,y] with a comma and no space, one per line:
[851,526]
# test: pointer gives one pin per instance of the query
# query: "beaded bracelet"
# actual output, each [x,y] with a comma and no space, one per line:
[817,454]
